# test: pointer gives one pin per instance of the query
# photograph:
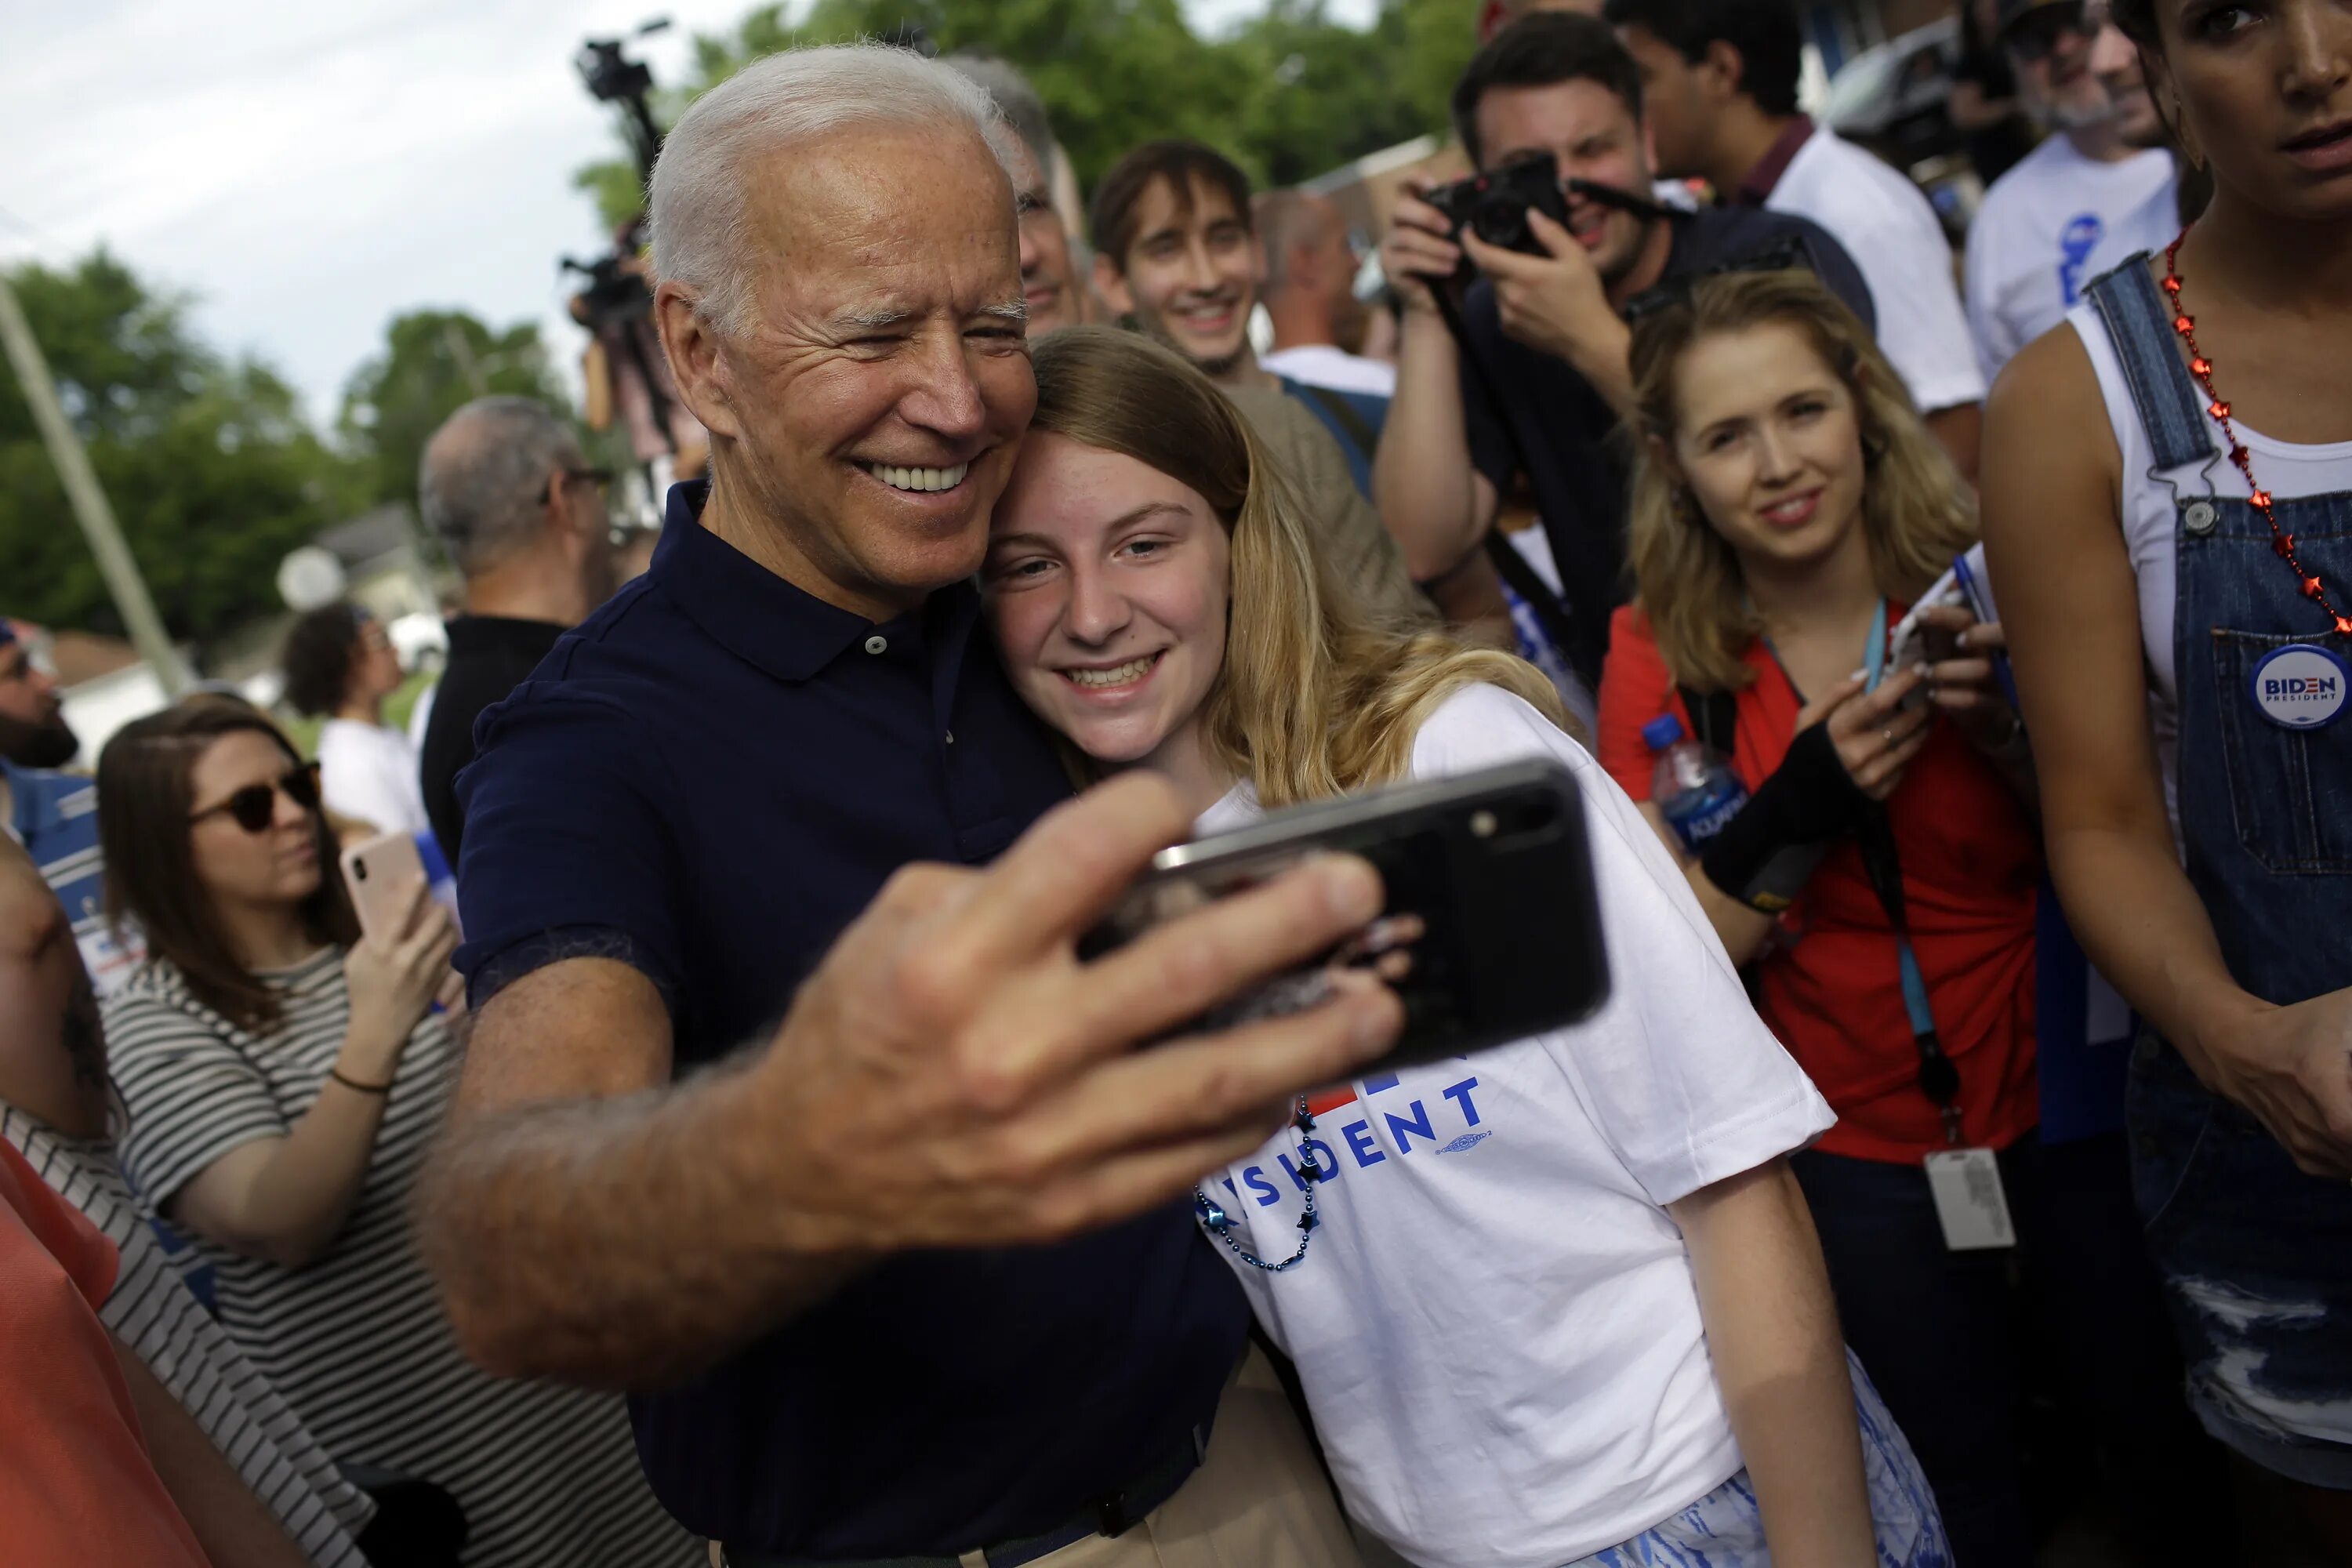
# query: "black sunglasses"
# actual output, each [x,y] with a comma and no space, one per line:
[2033,38]
[255,805]
[1790,255]
[600,477]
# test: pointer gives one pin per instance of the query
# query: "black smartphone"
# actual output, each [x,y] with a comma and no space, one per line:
[1491,930]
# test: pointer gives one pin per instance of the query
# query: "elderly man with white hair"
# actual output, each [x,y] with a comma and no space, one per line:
[911,1277]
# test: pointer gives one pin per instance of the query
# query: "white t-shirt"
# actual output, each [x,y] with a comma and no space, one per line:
[2151,511]
[369,771]
[1325,365]
[2050,226]
[1496,1324]
[1887,227]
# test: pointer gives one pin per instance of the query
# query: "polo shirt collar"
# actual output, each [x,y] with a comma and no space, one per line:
[756,614]
[1765,177]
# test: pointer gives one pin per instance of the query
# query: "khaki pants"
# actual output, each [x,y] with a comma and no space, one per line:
[1258,1500]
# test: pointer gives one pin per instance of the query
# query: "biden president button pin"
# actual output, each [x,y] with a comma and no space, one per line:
[2301,686]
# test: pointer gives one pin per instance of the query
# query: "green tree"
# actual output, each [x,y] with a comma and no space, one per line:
[211,470]
[432,362]
[1290,94]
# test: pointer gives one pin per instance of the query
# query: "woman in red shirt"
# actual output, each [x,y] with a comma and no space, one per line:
[1790,505]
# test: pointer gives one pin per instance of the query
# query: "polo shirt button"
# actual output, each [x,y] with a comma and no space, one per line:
[877,644]
[950,737]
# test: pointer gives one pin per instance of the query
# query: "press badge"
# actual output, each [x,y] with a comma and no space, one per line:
[1969,1202]
[2300,687]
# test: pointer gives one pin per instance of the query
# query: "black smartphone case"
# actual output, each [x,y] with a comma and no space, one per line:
[1496,865]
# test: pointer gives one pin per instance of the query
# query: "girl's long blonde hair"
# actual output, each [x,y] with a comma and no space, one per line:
[1916,511]
[1316,697]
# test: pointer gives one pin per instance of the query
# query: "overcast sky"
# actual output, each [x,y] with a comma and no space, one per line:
[307,170]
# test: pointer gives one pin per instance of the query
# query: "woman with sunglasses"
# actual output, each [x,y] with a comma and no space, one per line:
[283,1076]
[2168,504]
[341,665]
[1789,506]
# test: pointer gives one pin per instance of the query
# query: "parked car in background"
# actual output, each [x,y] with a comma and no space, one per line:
[1894,99]
[1894,96]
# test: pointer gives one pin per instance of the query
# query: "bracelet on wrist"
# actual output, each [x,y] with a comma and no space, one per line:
[356,1085]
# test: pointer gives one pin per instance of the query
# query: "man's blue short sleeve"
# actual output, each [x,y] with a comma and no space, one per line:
[566,851]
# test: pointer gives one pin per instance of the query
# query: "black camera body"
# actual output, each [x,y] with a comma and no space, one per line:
[1495,205]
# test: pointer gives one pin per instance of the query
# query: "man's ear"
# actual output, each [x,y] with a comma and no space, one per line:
[696,359]
[1722,71]
[1111,284]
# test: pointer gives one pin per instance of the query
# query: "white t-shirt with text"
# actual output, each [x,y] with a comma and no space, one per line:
[1496,1325]
[2050,226]
[1886,225]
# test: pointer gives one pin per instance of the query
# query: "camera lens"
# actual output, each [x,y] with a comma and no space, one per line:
[1501,220]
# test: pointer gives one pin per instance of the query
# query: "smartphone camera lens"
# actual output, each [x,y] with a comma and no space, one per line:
[358,869]
[1520,822]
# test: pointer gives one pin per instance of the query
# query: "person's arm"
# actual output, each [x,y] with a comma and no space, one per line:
[950,1075]
[2070,604]
[1470,600]
[1961,431]
[236,1528]
[1429,490]
[1870,740]
[1773,1335]
[285,1198]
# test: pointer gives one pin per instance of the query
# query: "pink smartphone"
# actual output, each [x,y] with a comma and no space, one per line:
[382,874]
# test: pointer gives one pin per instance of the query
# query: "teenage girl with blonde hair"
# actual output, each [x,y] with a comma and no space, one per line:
[1562,1303]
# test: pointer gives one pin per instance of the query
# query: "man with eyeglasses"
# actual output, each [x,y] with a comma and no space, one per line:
[504,487]
[54,814]
[2100,188]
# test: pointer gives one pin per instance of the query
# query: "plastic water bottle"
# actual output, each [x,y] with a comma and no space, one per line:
[1694,787]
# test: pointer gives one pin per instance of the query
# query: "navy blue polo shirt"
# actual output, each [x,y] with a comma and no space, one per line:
[709,778]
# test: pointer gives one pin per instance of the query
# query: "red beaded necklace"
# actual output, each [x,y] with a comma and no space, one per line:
[2202,369]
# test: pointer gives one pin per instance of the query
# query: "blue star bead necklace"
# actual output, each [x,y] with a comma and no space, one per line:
[1220,1224]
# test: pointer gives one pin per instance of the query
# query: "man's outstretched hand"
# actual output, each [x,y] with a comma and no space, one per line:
[955,1076]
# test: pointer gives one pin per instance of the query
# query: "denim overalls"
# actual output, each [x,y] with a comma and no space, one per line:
[2257,1256]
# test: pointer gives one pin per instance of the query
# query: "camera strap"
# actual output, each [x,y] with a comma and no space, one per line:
[1551,608]
[1939,1080]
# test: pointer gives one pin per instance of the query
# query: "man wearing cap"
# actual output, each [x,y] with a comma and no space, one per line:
[2101,188]
[54,814]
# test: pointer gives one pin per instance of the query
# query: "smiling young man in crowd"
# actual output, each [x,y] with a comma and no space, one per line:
[1176,252]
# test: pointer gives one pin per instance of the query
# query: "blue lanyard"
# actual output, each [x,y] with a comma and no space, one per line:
[1914,983]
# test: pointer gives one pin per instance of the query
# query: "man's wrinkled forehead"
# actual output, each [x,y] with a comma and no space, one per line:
[880,183]
[888,234]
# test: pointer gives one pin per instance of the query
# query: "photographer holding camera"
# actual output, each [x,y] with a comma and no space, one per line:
[1535,381]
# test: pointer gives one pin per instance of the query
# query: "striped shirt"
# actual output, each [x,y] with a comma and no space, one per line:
[151,1311]
[55,817]
[355,1340]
